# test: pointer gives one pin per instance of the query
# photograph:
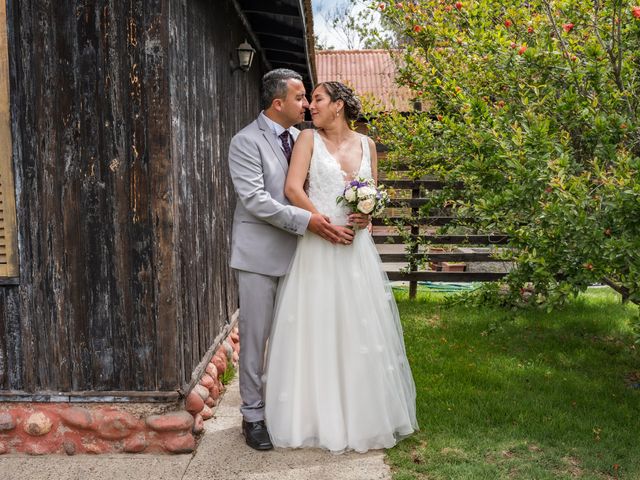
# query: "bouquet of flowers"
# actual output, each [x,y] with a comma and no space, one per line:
[362,196]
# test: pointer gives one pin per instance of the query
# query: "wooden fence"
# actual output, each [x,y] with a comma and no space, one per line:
[433,257]
[424,259]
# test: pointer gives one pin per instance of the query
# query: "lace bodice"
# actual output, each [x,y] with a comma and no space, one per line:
[327,180]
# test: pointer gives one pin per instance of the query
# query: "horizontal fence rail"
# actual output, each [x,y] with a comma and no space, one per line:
[445,276]
[465,240]
[442,257]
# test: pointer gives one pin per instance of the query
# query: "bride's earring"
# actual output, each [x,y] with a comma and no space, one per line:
[337,113]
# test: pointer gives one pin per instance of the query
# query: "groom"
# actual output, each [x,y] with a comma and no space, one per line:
[265,230]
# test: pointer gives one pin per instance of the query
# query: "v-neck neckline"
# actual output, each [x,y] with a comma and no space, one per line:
[345,174]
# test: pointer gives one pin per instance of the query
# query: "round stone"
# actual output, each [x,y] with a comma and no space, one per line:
[228,348]
[202,391]
[135,444]
[194,403]
[198,425]
[206,380]
[215,391]
[69,447]
[173,421]
[212,370]
[220,362]
[184,443]
[38,424]
[77,417]
[115,425]
[206,413]
[7,422]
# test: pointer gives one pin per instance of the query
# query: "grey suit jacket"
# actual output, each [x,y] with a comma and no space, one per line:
[265,225]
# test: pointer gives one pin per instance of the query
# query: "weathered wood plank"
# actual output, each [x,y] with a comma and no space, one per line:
[9,262]
[446,239]
[435,220]
[416,220]
[90,397]
[445,276]
[441,257]
[410,184]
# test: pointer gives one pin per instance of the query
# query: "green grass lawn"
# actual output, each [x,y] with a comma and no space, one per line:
[522,394]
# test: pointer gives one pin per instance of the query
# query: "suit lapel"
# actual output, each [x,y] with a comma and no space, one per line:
[271,140]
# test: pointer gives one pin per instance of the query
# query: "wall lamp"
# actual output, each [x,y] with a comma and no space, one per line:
[245,54]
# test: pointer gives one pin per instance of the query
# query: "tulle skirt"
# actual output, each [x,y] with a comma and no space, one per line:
[337,373]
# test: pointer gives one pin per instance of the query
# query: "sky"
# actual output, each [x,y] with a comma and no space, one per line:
[321,12]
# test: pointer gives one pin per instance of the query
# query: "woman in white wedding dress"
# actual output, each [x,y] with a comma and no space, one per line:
[337,372]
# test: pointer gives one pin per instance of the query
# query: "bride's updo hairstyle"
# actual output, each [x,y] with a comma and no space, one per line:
[339,91]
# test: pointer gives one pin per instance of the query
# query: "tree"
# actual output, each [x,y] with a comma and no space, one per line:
[534,107]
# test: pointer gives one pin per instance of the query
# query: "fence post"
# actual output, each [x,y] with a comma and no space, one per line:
[415,230]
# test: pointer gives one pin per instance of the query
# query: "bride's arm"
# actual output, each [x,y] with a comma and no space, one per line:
[298,168]
[374,160]
[294,190]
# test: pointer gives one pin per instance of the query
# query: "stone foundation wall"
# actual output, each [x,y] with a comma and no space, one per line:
[45,428]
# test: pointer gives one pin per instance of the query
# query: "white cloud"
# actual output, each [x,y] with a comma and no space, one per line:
[329,36]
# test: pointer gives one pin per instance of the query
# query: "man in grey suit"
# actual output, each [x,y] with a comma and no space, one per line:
[265,230]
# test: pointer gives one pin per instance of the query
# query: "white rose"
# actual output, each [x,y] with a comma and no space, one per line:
[364,192]
[367,205]
[350,195]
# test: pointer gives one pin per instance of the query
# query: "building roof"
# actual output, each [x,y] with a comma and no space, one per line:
[282,33]
[368,72]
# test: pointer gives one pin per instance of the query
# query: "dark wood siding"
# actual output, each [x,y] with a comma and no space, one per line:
[209,104]
[122,113]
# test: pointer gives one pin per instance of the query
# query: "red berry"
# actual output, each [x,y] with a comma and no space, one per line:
[567,27]
[513,45]
[382,6]
[399,5]
[635,11]
[459,5]
[507,23]
[417,28]
[439,117]
[522,49]
[530,30]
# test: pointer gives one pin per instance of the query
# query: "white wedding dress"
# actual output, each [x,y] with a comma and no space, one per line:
[337,372]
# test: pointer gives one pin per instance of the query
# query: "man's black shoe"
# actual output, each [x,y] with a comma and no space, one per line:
[256,435]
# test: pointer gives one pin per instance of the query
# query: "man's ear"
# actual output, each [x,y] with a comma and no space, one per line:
[277,104]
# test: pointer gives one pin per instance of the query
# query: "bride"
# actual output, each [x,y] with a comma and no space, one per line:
[337,372]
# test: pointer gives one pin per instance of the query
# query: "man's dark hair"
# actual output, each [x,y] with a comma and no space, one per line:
[274,84]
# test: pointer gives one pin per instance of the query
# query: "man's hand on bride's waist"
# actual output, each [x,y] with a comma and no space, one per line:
[322,226]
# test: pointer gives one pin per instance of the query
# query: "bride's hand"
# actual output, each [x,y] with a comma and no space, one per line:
[359,220]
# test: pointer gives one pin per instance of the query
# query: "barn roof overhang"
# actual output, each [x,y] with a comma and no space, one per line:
[282,33]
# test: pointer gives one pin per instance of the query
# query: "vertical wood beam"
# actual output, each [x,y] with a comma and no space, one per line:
[8,238]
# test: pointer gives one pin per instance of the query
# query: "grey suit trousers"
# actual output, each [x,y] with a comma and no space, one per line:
[257,300]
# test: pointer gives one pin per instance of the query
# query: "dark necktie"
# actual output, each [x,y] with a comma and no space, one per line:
[286,146]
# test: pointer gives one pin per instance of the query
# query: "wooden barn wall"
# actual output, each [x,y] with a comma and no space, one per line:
[209,104]
[121,116]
